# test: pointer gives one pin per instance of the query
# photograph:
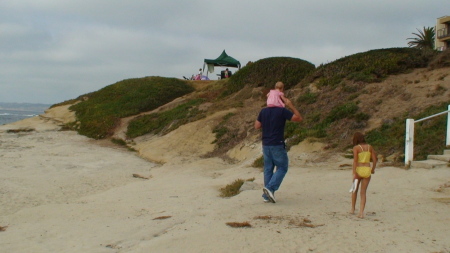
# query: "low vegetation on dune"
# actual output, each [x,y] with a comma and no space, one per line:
[429,135]
[329,98]
[441,60]
[100,111]
[266,72]
[167,121]
[370,66]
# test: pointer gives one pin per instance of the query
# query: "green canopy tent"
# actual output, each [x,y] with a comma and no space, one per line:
[223,60]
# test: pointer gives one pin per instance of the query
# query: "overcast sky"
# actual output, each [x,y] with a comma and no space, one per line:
[55,50]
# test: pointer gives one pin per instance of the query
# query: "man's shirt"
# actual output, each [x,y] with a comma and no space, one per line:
[273,120]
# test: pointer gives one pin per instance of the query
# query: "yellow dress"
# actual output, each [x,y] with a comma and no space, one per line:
[364,157]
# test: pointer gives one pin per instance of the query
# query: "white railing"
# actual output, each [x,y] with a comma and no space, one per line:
[409,139]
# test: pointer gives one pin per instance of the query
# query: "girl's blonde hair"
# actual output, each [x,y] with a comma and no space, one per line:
[279,85]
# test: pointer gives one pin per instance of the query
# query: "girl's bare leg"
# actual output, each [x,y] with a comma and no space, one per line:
[364,184]
[354,197]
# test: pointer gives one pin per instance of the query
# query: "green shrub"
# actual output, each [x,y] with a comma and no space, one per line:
[101,112]
[370,66]
[308,98]
[223,134]
[350,88]
[164,122]
[317,123]
[353,96]
[233,189]
[332,81]
[362,116]
[429,137]
[259,162]
[342,111]
[220,131]
[118,142]
[266,72]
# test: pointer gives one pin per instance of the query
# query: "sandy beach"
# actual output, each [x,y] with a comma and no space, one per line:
[62,192]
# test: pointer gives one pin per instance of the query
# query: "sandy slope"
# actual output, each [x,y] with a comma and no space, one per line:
[61,192]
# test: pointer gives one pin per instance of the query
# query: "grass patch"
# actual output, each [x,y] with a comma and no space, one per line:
[259,162]
[223,134]
[100,111]
[428,138]
[266,72]
[21,130]
[219,131]
[118,142]
[164,122]
[341,111]
[122,143]
[371,66]
[316,127]
[307,98]
[362,116]
[233,189]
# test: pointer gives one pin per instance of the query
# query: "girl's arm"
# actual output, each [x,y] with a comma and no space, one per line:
[374,159]
[355,160]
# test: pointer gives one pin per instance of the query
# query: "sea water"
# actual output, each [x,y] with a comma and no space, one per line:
[12,112]
[9,116]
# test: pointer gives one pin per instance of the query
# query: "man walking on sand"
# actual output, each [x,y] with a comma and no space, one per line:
[272,121]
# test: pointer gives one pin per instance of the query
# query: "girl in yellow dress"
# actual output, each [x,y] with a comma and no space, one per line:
[362,171]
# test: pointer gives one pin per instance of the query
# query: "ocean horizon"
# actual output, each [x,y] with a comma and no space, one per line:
[12,112]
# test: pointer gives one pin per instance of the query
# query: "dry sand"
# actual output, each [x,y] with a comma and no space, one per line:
[62,192]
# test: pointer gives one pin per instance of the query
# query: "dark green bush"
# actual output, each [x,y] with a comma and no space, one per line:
[100,113]
[266,72]
[361,116]
[342,111]
[316,124]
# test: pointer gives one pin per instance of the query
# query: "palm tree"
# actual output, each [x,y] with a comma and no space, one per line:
[424,40]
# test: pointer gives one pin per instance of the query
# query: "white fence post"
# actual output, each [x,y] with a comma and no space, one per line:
[409,141]
[447,141]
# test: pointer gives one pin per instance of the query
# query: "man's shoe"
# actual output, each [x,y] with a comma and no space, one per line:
[269,195]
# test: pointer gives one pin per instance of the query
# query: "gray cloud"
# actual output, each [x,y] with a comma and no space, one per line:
[52,51]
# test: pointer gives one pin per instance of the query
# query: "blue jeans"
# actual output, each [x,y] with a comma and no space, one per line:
[274,156]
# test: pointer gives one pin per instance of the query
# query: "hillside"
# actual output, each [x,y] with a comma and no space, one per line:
[63,190]
[373,92]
